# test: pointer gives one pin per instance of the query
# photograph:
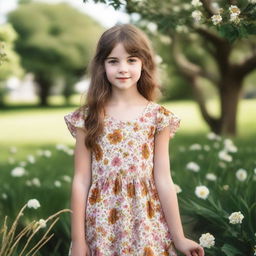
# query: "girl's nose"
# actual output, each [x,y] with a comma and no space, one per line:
[123,67]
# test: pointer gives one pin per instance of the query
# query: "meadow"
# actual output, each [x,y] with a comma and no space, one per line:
[215,176]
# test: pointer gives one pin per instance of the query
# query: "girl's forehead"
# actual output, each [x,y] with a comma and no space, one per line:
[120,50]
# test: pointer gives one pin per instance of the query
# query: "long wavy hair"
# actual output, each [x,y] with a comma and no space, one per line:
[136,44]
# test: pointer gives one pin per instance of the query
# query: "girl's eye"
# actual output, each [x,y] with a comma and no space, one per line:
[112,61]
[132,60]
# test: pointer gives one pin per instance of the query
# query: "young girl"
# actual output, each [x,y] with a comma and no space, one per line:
[123,197]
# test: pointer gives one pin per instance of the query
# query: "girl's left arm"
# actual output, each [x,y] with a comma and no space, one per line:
[168,197]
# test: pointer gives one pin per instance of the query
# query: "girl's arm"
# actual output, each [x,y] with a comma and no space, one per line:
[168,196]
[80,187]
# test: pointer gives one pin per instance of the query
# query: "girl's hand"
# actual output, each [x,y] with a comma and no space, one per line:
[189,247]
[80,248]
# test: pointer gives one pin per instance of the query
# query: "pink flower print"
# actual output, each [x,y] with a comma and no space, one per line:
[132,168]
[142,119]
[116,161]
[105,186]
[143,166]
[148,114]
[100,170]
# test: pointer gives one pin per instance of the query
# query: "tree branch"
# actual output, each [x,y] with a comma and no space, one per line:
[246,67]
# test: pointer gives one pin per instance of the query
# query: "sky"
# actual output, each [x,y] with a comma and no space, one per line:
[106,15]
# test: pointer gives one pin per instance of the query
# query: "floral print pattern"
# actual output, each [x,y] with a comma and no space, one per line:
[123,214]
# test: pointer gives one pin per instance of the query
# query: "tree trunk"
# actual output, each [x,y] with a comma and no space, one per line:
[229,100]
[44,89]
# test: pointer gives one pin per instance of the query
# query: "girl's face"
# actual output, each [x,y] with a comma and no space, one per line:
[123,70]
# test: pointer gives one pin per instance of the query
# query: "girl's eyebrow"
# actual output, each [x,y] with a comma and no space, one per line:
[115,58]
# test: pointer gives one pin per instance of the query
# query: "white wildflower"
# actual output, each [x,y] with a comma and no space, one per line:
[36,182]
[176,8]
[197,15]
[223,155]
[33,203]
[211,136]
[152,27]
[57,183]
[241,174]
[211,176]
[61,147]
[11,160]
[195,147]
[158,59]
[4,195]
[193,166]
[202,192]
[196,3]
[222,165]
[226,187]
[165,39]
[39,152]
[23,163]
[216,19]
[47,153]
[234,10]
[70,152]
[31,159]
[206,148]
[41,223]
[29,183]
[229,146]
[13,150]
[215,6]
[177,188]
[186,7]
[181,29]
[252,2]
[207,240]
[66,178]
[18,172]
[236,218]
[254,171]
[216,144]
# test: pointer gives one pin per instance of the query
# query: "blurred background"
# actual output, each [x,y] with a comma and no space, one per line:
[206,54]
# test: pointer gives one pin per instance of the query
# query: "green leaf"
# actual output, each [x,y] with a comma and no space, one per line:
[230,250]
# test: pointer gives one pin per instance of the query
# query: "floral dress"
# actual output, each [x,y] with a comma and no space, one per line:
[123,211]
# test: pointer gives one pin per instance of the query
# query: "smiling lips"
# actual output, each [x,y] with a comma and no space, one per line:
[122,78]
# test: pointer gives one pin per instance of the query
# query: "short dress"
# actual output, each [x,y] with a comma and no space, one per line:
[123,213]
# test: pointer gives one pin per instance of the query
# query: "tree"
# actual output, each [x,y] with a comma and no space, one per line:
[220,29]
[9,59]
[55,41]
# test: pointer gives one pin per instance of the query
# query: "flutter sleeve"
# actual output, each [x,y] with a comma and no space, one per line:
[164,118]
[75,120]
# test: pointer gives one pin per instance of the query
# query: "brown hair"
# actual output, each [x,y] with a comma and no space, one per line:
[137,44]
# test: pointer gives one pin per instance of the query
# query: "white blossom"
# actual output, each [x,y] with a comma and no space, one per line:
[31,159]
[47,153]
[23,163]
[66,178]
[211,136]
[193,166]
[196,3]
[181,29]
[206,148]
[70,151]
[177,188]
[211,176]
[57,183]
[33,203]
[4,196]
[202,192]
[222,165]
[216,19]
[254,170]
[195,147]
[186,7]
[41,223]
[197,15]
[18,172]
[241,174]
[226,187]
[158,59]
[223,155]
[176,8]
[236,218]
[152,27]
[13,150]
[207,240]
[36,182]
[252,2]
[229,146]
[234,10]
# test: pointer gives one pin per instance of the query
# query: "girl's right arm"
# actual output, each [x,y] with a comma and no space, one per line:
[80,187]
